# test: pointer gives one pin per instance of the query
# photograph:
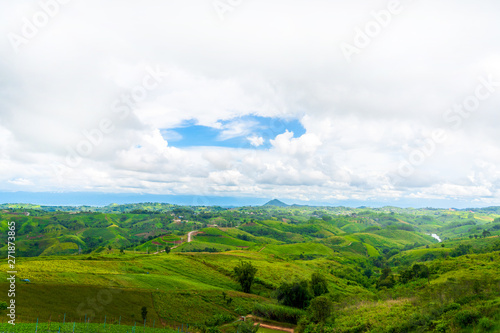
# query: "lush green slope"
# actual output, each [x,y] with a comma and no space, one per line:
[382,270]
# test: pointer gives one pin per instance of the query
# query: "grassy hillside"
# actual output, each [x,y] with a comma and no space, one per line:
[380,269]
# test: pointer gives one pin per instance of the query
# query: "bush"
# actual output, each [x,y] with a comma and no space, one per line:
[296,294]
[244,274]
[278,312]
[467,318]
[247,326]
[3,305]
[218,319]
[451,307]
[320,308]
[319,285]
[486,324]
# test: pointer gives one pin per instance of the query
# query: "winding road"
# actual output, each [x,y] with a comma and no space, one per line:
[189,239]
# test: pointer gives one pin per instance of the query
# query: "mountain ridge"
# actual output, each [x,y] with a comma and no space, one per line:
[276,202]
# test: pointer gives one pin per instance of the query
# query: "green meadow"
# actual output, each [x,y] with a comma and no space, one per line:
[379,269]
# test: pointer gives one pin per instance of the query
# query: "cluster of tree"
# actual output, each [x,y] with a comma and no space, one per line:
[400,226]
[243,237]
[144,211]
[386,279]
[206,249]
[484,234]
[300,293]
[460,250]
[266,232]
[454,225]
[413,273]
[244,273]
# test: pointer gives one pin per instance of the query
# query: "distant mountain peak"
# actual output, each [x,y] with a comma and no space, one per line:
[277,203]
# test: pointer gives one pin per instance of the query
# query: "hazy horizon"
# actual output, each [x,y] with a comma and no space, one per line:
[105,199]
[379,102]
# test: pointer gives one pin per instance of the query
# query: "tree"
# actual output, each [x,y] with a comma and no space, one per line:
[245,274]
[247,326]
[109,247]
[386,279]
[321,309]
[167,249]
[296,294]
[144,313]
[421,271]
[319,285]
[461,250]
[486,233]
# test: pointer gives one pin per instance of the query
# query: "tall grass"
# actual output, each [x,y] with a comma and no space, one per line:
[278,312]
[84,327]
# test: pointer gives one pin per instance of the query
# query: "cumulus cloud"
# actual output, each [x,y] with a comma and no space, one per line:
[80,109]
[255,140]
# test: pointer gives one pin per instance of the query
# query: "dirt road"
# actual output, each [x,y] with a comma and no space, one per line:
[189,239]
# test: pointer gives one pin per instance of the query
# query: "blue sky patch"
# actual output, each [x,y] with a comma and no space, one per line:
[244,132]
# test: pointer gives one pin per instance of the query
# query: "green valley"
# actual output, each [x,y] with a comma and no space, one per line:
[317,269]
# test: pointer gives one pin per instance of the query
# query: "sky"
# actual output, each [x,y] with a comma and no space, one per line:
[320,101]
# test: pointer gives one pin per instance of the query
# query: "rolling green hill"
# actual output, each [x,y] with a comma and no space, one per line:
[381,269]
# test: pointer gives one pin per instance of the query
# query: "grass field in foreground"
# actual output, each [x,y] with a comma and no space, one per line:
[82,327]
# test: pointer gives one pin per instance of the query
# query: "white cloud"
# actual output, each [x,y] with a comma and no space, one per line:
[255,140]
[305,145]
[21,182]
[236,128]
[361,119]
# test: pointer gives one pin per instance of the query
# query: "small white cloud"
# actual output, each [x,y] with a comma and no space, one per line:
[256,141]
[21,182]
[171,135]
[228,177]
[237,128]
[286,144]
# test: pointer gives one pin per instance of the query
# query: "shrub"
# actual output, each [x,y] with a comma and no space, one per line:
[319,285]
[3,305]
[247,326]
[486,324]
[296,294]
[278,312]
[467,318]
[321,309]
[451,307]
[218,319]
[244,274]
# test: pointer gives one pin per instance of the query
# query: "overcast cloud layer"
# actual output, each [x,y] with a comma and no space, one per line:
[399,99]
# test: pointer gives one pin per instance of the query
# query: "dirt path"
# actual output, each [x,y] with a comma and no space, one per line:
[262,248]
[190,235]
[273,327]
[189,239]
[278,328]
